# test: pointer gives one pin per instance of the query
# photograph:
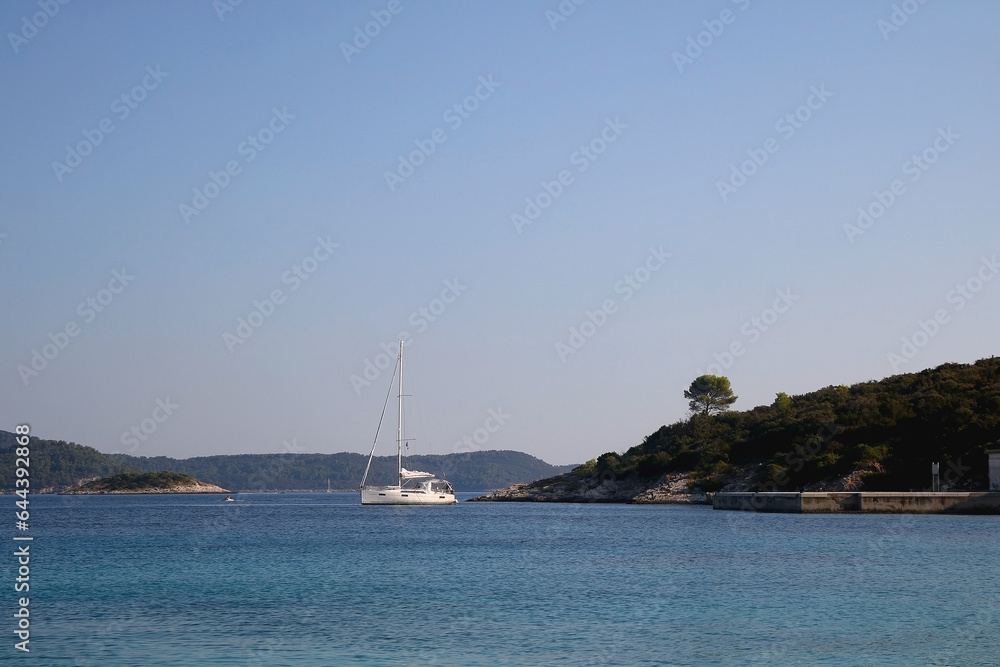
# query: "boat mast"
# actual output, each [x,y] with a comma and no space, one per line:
[399,428]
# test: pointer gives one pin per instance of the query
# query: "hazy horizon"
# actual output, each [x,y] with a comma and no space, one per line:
[219,218]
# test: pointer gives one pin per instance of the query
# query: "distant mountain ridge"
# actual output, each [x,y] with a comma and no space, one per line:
[56,465]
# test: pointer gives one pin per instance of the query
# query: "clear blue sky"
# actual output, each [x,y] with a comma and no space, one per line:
[667,131]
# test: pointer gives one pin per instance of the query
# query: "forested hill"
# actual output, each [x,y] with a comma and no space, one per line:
[54,463]
[880,436]
[59,464]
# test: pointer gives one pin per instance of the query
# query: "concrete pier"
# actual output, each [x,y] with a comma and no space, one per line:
[994,455]
[975,502]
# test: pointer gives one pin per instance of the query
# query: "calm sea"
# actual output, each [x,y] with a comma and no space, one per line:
[316,579]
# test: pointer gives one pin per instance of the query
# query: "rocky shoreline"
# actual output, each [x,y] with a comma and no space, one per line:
[672,488]
[572,488]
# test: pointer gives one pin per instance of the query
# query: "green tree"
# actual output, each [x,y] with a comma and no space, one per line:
[710,394]
[782,401]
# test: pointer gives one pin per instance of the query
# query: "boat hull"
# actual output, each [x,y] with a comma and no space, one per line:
[396,496]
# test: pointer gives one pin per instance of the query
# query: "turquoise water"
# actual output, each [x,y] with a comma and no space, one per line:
[316,579]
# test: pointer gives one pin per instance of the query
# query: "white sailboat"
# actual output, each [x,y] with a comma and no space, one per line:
[413,487]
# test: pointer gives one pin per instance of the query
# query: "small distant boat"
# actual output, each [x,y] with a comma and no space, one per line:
[412,487]
[328,489]
[228,499]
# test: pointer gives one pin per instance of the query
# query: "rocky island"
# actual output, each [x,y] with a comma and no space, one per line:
[148,482]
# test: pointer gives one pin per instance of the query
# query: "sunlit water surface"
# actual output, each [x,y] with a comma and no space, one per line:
[316,579]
